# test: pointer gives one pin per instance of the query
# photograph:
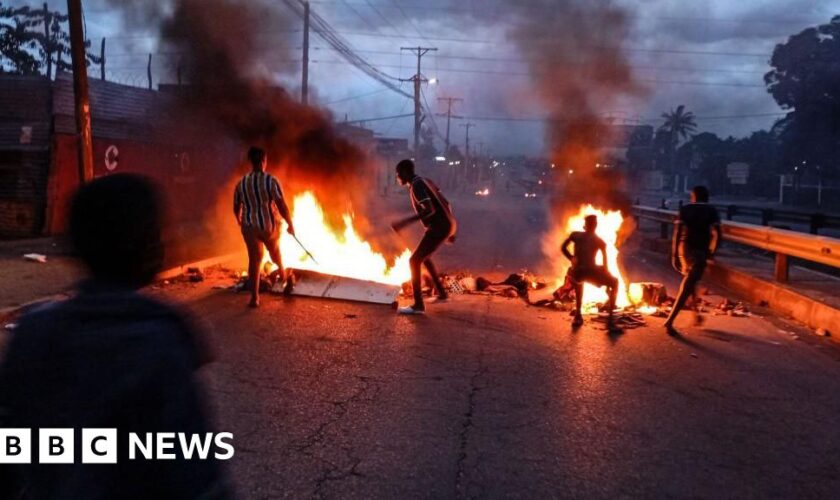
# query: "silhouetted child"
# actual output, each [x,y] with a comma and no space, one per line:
[110,357]
[585,269]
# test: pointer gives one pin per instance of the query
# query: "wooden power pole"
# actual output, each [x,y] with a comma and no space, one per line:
[304,85]
[417,79]
[80,90]
[449,116]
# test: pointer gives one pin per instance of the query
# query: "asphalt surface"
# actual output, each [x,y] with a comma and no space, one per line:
[486,397]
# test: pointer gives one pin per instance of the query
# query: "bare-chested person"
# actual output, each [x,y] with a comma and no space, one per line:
[585,268]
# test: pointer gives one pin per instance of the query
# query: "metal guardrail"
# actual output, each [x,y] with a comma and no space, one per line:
[784,243]
[814,220]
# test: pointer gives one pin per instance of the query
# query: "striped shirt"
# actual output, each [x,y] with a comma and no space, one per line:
[254,198]
[424,191]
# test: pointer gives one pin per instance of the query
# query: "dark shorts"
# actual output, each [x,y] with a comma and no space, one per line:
[598,276]
[693,262]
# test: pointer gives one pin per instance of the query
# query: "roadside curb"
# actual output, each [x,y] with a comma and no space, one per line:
[778,297]
[9,312]
[199,264]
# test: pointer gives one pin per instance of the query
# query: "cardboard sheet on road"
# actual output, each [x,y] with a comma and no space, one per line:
[314,284]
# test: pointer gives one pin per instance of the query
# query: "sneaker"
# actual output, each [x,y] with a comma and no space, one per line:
[410,310]
[289,284]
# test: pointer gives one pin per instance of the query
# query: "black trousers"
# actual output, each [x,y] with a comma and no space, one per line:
[693,265]
[434,237]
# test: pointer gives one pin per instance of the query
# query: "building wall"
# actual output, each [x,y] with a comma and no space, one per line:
[139,131]
[25,127]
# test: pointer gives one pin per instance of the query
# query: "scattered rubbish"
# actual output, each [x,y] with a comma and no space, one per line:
[36,257]
[194,275]
[730,308]
[822,332]
[626,320]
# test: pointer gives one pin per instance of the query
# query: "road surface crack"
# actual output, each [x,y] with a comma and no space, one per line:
[462,487]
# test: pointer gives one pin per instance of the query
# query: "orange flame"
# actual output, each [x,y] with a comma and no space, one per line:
[609,226]
[340,253]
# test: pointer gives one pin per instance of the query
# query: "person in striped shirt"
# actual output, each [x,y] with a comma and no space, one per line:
[433,210]
[255,199]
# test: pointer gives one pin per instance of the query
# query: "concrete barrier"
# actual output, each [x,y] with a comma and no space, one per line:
[778,297]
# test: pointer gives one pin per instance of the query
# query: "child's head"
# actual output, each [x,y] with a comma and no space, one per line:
[115,229]
[590,223]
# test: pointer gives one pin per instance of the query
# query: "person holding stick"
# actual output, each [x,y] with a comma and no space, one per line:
[254,200]
[435,212]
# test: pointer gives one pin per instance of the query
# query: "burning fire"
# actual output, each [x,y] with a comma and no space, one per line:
[340,253]
[609,226]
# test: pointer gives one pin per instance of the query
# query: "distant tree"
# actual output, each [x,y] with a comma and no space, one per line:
[678,124]
[805,80]
[18,41]
[35,41]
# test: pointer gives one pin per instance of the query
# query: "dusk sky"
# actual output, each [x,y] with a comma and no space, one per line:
[709,56]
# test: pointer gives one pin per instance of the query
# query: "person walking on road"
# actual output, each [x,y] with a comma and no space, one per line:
[435,212]
[587,246]
[696,238]
[255,198]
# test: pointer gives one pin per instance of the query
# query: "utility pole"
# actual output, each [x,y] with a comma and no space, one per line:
[468,126]
[80,90]
[47,41]
[102,60]
[467,160]
[449,117]
[149,71]
[417,79]
[304,86]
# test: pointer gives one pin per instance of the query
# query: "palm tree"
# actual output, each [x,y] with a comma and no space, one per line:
[679,124]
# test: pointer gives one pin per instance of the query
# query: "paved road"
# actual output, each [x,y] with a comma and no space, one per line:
[487,398]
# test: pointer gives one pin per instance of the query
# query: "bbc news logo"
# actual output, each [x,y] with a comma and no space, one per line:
[99,446]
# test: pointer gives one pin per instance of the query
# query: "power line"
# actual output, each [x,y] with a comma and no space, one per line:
[328,34]
[519,60]
[354,97]
[523,74]
[380,118]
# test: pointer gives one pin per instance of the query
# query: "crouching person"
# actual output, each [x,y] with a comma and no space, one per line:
[585,269]
[435,212]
